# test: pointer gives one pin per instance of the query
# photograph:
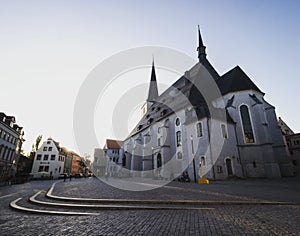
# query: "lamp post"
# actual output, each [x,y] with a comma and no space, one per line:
[193,156]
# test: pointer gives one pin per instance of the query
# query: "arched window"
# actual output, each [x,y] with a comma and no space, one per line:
[224,131]
[199,129]
[178,138]
[158,161]
[177,121]
[247,126]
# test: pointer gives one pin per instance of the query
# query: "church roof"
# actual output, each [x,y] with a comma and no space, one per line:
[184,94]
[153,91]
[236,80]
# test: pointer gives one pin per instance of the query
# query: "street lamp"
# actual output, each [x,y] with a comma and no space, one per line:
[193,156]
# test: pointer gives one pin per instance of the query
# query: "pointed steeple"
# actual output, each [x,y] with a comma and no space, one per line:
[201,48]
[153,91]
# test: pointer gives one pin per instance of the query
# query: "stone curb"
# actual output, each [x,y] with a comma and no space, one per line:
[15,206]
[172,202]
[110,207]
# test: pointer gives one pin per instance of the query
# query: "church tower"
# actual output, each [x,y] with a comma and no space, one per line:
[153,91]
[201,48]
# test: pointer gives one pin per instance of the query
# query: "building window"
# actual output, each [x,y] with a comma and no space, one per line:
[247,126]
[224,131]
[199,129]
[158,130]
[158,142]
[45,149]
[48,142]
[41,168]
[50,149]
[38,157]
[219,169]
[179,155]
[46,169]
[3,134]
[178,138]
[52,157]
[177,121]
[46,157]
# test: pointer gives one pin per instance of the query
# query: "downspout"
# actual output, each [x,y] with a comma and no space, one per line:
[238,149]
[210,150]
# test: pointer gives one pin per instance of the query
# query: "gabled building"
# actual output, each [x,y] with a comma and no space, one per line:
[49,160]
[114,156]
[207,124]
[11,140]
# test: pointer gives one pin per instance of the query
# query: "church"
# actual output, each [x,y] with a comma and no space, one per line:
[206,124]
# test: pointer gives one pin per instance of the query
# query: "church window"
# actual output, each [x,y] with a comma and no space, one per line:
[224,131]
[247,126]
[199,129]
[178,138]
[219,169]
[177,121]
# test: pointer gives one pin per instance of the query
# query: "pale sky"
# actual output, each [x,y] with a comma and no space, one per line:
[47,49]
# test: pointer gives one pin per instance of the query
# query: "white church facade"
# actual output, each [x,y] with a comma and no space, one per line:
[218,124]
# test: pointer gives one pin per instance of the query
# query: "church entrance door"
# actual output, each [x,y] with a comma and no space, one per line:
[229,167]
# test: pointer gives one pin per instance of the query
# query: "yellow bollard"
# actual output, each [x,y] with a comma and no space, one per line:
[203,180]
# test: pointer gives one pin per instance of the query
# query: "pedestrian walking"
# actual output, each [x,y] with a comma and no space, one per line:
[65,177]
[70,177]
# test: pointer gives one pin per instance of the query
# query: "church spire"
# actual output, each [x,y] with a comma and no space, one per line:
[201,48]
[153,92]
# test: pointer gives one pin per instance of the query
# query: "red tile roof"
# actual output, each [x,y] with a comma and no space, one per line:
[113,144]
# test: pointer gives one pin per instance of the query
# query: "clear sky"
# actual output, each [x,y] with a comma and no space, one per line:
[47,49]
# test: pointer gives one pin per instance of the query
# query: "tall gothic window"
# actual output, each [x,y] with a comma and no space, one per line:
[199,129]
[224,131]
[247,126]
[178,138]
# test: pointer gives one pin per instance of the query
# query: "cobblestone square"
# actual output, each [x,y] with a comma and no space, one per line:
[213,219]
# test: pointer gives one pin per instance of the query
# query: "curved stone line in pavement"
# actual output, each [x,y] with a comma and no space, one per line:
[14,205]
[173,202]
[112,207]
